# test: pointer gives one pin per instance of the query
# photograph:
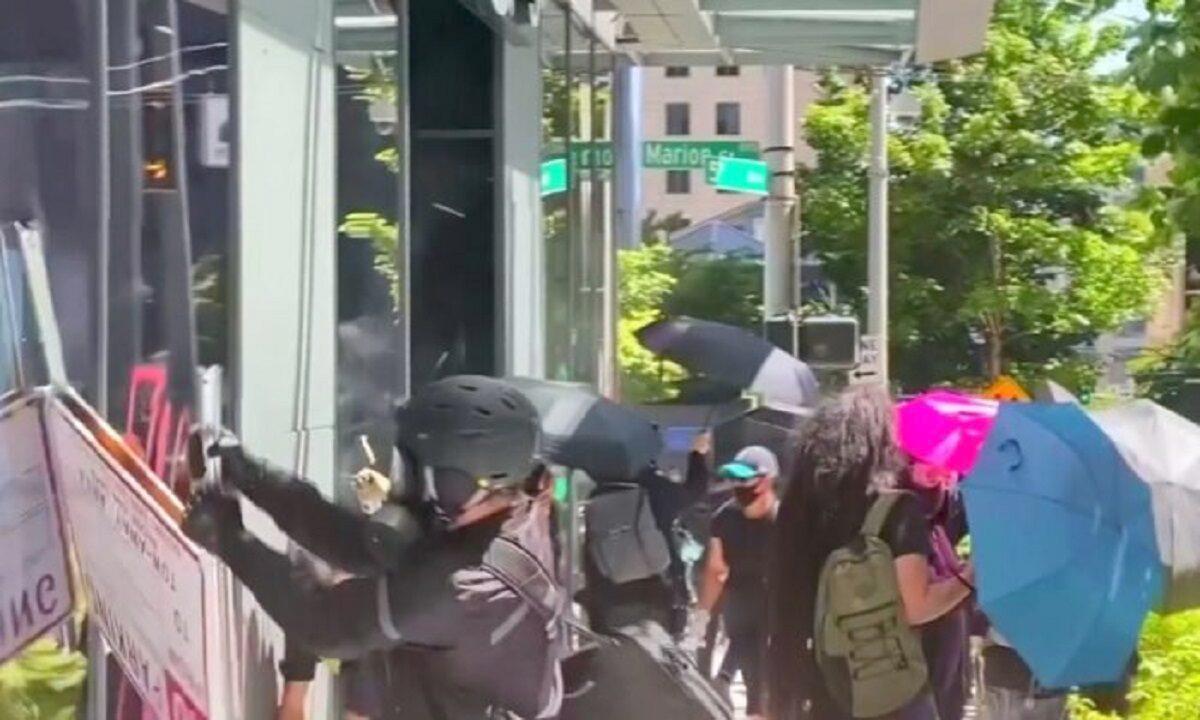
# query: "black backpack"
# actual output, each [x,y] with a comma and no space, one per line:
[638,672]
[624,540]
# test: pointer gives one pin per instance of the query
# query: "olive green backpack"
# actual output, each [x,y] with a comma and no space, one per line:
[869,656]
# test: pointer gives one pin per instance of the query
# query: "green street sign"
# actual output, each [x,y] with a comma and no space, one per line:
[554,176]
[691,154]
[597,155]
[740,175]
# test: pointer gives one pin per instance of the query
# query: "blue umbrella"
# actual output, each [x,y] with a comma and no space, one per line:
[1062,536]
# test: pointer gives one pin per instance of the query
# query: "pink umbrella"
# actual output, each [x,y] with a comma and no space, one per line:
[945,429]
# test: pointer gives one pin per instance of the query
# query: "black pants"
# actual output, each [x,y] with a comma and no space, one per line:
[747,652]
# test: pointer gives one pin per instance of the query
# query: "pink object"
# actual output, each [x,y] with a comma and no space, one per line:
[945,429]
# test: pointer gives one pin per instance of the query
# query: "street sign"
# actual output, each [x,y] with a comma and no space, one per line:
[867,370]
[35,587]
[554,176]
[597,154]
[741,175]
[150,590]
[692,154]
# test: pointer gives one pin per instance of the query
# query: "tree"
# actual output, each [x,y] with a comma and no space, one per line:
[1018,234]
[646,278]
[1165,61]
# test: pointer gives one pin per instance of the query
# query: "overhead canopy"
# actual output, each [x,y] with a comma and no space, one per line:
[807,33]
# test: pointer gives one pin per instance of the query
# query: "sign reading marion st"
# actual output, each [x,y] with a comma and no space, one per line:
[693,155]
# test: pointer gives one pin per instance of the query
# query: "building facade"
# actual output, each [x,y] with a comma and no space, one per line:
[708,103]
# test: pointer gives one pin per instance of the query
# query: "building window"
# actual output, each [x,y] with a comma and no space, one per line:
[729,118]
[679,182]
[678,71]
[728,71]
[679,121]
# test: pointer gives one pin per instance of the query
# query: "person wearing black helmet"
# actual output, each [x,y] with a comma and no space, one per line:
[456,583]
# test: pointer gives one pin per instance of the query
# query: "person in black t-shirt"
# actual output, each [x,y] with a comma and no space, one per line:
[737,568]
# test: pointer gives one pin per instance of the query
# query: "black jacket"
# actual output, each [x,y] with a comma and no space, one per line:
[462,641]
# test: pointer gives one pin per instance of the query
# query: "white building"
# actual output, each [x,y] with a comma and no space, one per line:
[708,103]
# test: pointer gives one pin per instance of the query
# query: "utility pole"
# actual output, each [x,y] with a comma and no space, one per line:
[779,206]
[877,210]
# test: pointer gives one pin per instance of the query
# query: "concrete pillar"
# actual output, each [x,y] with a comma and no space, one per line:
[284,282]
[520,208]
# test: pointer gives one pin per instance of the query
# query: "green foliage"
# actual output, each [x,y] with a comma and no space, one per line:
[1168,681]
[722,289]
[646,280]
[43,683]
[384,237]
[1017,232]
[1167,685]
[378,85]
[1161,372]
[655,282]
[208,300]
[1165,61]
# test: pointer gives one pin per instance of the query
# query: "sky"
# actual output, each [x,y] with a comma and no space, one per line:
[1128,11]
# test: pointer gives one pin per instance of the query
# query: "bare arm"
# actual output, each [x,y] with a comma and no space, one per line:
[293,701]
[716,573]
[926,601]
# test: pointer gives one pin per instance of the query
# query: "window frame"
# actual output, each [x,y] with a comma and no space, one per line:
[737,118]
[687,119]
[685,188]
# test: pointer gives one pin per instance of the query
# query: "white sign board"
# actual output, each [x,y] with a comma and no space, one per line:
[867,370]
[35,585]
[145,581]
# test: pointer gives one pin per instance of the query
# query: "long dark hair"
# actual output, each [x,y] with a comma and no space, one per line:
[847,455]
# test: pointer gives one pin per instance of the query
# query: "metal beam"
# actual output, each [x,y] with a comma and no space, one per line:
[757,6]
[792,32]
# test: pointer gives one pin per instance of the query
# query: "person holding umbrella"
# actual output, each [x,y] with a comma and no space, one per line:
[736,569]
[632,565]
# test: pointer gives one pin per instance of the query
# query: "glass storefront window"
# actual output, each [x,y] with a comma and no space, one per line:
[371,332]
[577,122]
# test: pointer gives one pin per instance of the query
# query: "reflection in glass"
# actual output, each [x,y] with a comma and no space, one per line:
[577,122]
[370,336]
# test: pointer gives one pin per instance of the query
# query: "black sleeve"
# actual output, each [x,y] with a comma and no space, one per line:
[906,530]
[336,534]
[298,664]
[673,499]
[339,621]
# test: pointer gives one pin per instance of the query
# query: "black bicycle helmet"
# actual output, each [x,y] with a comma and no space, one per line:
[465,433]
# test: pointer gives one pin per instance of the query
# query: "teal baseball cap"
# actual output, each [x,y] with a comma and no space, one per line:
[751,463]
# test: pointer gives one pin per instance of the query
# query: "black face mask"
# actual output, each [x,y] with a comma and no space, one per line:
[746,495]
[449,490]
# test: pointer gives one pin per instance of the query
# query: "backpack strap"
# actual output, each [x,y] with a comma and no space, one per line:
[529,580]
[878,514]
[525,575]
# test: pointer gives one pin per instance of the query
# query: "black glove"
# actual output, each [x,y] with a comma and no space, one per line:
[237,469]
[298,664]
[214,521]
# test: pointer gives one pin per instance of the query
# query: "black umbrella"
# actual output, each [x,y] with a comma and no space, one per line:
[775,427]
[732,355]
[584,431]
